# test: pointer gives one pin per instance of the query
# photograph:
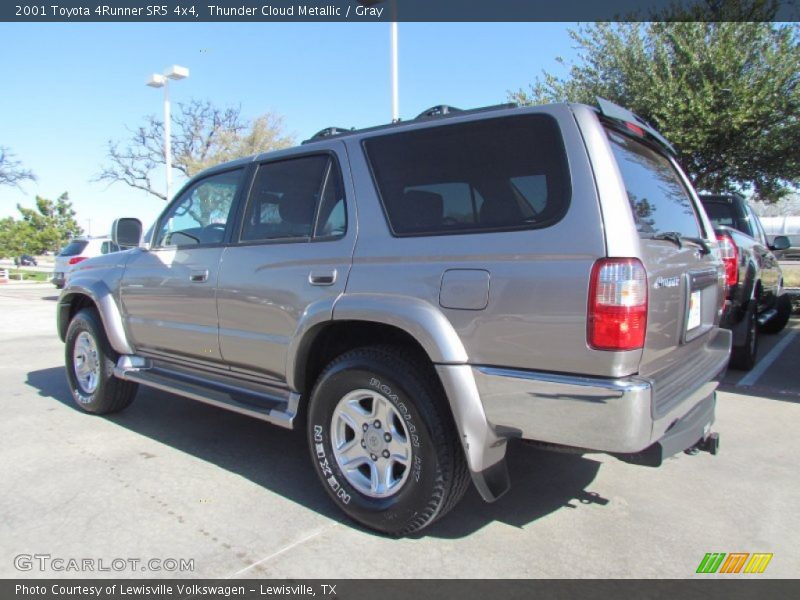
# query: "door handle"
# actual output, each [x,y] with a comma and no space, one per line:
[198,276]
[322,277]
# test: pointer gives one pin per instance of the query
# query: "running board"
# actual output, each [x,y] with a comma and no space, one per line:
[273,409]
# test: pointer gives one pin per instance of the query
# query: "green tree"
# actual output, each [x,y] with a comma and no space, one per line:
[202,135]
[16,237]
[48,227]
[11,171]
[725,94]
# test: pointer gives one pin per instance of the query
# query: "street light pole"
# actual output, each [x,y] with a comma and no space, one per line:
[167,139]
[393,50]
[395,84]
[156,81]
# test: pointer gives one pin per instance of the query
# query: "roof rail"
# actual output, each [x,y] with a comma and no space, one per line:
[438,111]
[444,110]
[328,132]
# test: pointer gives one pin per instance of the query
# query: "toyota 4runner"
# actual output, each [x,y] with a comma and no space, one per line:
[418,294]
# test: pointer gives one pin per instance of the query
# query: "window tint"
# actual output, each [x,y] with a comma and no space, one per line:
[488,175]
[74,248]
[201,213]
[284,198]
[721,214]
[332,217]
[461,203]
[659,201]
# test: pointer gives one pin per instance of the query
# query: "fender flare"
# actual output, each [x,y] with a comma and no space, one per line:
[103,299]
[425,323]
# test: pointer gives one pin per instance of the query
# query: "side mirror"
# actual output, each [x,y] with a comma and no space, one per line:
[781,242]
[126,232]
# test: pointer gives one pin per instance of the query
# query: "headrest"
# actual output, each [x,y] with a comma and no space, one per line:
[418,211]
[297,208]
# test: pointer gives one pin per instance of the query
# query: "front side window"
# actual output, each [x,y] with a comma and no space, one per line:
[295,199]
[659,201]
[487,175]
[200,215]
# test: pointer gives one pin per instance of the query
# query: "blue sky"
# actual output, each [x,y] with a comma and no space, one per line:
[69,88]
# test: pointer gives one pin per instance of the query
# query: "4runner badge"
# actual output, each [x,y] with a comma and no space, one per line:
[665,282]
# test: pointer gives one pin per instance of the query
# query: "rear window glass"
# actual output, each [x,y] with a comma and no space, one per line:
[488,175]
[721,214]
[659,201]
[74,248]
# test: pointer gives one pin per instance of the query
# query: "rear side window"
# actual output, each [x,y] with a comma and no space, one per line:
[489,175]
[74,248]
[296,198]
[659,201]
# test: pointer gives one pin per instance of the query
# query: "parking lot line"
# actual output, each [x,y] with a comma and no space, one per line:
[753,376]
[299,542]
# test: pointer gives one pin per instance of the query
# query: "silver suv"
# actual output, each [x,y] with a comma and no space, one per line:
[418,294]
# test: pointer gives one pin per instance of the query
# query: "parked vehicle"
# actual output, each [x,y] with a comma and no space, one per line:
[755,300]
[423,292]
[77,251]
[25,260]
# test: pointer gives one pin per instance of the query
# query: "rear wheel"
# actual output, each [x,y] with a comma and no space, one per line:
[744,357]
[90,364]
[383,441]
[783,307]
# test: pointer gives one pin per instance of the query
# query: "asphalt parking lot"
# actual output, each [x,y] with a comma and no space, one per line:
[174,479]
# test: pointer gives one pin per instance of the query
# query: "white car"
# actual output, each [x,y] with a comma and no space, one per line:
[76,251]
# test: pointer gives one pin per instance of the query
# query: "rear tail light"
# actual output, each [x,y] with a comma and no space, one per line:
[76,259]
[617,318]
[729,254]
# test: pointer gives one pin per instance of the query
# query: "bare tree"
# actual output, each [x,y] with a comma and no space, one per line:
[202,135]
[11,171]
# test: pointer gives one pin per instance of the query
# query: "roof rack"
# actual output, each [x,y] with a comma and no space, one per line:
[444,110]
[441,111]
[437,111]
[328,132]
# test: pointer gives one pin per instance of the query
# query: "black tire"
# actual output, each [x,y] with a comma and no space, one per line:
[743,357]
[437,472]
[108,394]
[783,306]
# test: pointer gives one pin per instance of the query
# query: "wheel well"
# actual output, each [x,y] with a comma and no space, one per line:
[333,339]
[70,307]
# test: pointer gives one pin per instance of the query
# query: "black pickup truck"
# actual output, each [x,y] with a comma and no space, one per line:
[755,300]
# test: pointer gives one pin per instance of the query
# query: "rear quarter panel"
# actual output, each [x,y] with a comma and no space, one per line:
[535,317]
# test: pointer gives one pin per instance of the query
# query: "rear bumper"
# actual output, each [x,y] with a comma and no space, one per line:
[650,418]
[608,415]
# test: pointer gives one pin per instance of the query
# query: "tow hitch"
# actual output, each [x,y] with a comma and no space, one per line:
[708,444]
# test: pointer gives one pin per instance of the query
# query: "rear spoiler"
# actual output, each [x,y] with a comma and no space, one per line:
[616,112]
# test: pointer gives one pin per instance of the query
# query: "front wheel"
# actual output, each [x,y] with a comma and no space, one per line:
[90,367]
[383,441]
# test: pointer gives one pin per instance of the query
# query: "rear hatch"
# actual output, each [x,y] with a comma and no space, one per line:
[71,250]
[684,276]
